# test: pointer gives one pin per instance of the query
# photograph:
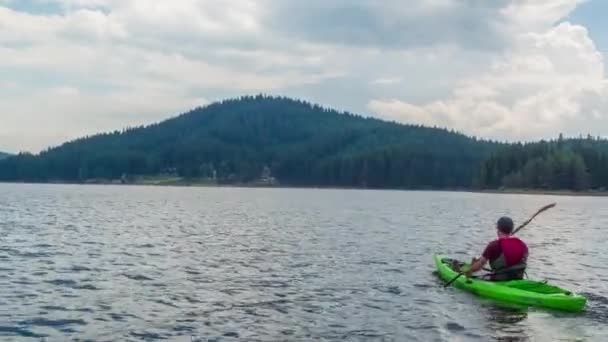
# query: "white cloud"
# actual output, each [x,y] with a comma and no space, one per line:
[536,15]
[499,68]
[386,81]
[545,83]
[131,57]
[49,110]
[391,24]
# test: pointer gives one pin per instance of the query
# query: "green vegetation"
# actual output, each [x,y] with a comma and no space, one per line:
[572,164]
[238,141]
[270,140]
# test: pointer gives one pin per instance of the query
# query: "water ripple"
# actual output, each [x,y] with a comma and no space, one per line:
[211,264]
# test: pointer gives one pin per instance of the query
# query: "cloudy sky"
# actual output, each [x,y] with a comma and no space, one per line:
[502,69]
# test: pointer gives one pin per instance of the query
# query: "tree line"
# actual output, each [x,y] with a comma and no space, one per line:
[302,144]
[233,141]
[573,164]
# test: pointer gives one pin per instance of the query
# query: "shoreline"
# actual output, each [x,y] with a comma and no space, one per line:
[182,183]
[589,193]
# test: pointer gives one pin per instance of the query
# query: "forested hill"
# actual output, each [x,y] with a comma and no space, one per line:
[268,140]
[265,138]
[574,164]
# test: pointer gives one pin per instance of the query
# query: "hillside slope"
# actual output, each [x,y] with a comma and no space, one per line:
[236,141]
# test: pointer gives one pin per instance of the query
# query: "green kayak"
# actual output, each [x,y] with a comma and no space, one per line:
[521,292]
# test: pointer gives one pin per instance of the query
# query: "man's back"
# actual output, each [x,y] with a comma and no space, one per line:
[507,257]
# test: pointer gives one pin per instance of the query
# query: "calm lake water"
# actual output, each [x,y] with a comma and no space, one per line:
[109,263]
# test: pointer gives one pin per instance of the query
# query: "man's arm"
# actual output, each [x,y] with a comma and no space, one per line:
[476,266]
[491,252]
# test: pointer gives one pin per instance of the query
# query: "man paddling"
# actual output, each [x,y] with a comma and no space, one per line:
[507,255]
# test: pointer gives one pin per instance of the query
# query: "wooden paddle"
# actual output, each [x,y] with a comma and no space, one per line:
[547,207]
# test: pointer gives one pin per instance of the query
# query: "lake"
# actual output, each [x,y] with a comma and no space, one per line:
[129,263]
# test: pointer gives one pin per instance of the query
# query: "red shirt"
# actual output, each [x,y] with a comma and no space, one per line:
[506,252]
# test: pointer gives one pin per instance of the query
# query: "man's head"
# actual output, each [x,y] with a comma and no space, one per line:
[504,225]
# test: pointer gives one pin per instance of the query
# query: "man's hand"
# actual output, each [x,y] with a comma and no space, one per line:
[478,263]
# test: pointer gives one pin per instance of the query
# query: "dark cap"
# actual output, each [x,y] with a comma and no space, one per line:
[505,225]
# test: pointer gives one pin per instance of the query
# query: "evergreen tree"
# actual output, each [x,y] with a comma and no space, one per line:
[233,141]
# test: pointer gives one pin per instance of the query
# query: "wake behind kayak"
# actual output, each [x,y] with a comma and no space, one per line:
[522,292]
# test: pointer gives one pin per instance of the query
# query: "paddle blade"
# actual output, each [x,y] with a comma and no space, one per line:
[548,206]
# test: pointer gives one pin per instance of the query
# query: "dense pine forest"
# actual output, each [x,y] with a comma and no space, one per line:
[240,140]
[270,140]
[573,164]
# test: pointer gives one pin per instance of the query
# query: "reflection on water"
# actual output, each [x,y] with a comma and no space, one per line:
[597,307]
[507,322]
[108,263]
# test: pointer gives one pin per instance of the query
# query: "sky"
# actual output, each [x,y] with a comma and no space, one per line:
[501,69]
